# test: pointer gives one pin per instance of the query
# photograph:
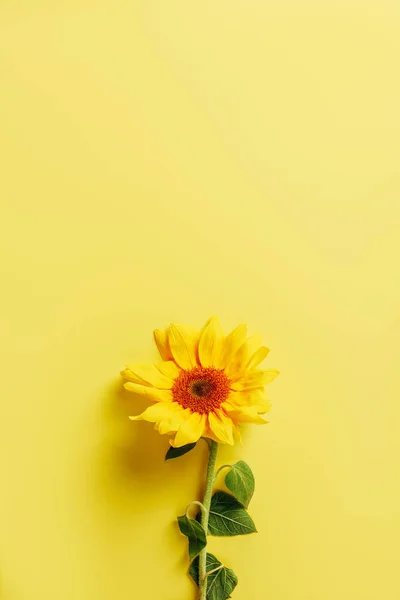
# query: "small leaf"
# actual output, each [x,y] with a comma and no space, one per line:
[196,534]
[220,584]
[176,452]
[240,481]
[228,517]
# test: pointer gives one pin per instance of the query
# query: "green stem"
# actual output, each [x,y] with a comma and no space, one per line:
[205,514]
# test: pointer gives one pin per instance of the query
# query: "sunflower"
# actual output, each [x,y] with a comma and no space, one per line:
[206,385]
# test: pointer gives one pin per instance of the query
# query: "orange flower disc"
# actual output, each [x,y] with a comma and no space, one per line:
[202,389]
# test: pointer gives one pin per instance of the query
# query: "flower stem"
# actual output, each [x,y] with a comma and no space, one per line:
[212,458]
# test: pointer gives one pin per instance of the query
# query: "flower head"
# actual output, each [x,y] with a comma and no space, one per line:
[206,385]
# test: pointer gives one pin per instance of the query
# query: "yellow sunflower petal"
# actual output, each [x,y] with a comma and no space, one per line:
[183,342]
[253,379]
[257,358]
[236,433]
[230,346]
[244,414]
[148,374]
[221,426]
[190,431]
[129,376]
[238,363]
[255,398]
[169,369]
[210,343]
[155,412]
[208,433]
[173,420]
[161,340]
[149,392]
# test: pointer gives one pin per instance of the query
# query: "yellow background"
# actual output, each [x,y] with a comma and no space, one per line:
[168,160]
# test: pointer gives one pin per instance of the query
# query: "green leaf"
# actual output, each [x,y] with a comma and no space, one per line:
[220,584]
[176,452]
[196,534]
[228,517]
[240,481]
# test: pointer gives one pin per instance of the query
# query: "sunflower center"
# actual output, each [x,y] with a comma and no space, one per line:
[201,389]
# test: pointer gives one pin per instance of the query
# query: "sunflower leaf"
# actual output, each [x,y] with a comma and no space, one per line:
[176,452]
[220,583]
[195,533]
[228,517]
[240,481]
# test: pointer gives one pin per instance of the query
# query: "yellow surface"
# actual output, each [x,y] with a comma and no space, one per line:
[167,160]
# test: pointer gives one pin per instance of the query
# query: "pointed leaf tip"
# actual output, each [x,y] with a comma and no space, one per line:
[195,533]
[177,452]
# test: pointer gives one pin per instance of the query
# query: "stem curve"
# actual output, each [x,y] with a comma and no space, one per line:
[197,503]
